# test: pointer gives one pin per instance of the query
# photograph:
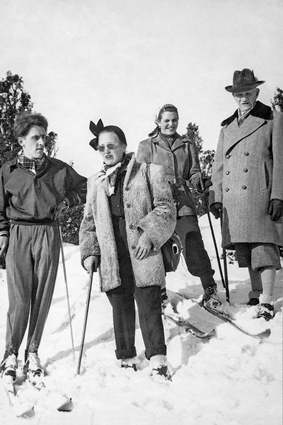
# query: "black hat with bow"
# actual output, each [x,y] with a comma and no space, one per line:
[96,129]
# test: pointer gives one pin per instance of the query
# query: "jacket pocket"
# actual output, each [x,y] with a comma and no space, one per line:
[264,175]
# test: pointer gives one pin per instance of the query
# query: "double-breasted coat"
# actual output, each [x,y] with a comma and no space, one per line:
[247,173]
[149,208]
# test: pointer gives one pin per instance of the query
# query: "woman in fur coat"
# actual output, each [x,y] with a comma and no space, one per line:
[128,216]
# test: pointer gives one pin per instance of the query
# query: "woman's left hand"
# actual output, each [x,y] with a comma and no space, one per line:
[144,247]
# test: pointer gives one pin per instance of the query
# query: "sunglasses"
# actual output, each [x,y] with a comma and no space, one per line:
[110,146]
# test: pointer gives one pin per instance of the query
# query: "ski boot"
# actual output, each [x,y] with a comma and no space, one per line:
[34,370]
[8,369]
[129,364]
[266,311]
[159,368]
[210,298]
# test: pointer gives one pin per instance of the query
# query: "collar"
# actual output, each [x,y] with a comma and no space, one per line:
[260,110]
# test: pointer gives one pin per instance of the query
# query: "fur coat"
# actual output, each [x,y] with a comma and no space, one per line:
[149,208]
[247,173]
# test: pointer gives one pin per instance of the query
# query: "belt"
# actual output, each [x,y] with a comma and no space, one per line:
[47,222]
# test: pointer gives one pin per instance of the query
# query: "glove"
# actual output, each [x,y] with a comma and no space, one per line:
[275,209]
[207,182]
[216,209]
[60,208]
[91,263]
[197,182]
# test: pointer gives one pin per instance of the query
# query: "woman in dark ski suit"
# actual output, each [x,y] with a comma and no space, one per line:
[179,157]
[129,215]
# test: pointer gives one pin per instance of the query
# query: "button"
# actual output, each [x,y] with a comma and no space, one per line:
[133,247]
[228,156]
[227,172]
[227,189]
[131,226]
[245,170]
[247,153]
[244,187]
[128,205]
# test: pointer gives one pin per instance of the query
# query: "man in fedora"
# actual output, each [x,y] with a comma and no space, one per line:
[247,188]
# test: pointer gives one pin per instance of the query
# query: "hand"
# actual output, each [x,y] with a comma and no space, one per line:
[59,209]
[197,182]
[91,263]
[4,240]
[144,247]
[275,209]
[207,182]
[216,209]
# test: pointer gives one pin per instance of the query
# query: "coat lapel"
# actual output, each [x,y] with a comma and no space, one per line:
[236,134]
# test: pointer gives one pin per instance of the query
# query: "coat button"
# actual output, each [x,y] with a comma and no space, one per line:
[247,153]
[227,172]
[131,226]
[244,187]
[133,247]
[245,170]
[128,205]
[228,156]
[227,189]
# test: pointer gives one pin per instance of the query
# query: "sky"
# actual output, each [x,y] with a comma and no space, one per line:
[120,60]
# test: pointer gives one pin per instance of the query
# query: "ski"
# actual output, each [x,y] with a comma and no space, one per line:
[228,319]
[53,399]
[225,317]
[66,404]
[22,409]
[190,328]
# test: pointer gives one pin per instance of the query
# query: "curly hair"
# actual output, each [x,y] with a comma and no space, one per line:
[26,120]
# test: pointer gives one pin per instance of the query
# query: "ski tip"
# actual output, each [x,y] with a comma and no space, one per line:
[24,412]
[67,406]
[265,334]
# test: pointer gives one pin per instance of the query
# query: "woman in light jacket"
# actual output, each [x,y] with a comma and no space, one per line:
[128,216]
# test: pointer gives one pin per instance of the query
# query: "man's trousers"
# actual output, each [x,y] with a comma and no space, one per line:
[32,263]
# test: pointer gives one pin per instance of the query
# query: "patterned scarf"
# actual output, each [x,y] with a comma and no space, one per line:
[109,175]
[32,165]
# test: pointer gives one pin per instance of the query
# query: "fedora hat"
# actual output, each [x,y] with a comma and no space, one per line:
[243,80]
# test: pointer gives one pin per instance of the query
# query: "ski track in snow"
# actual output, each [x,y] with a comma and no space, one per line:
[232,379]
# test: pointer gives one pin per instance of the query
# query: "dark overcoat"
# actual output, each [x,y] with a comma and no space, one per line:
[149,208]
[247,173]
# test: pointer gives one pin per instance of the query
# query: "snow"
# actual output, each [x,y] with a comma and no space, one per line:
[233,379]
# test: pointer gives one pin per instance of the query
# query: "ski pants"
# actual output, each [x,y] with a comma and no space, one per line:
[123,299]
[196,257]
[31,263]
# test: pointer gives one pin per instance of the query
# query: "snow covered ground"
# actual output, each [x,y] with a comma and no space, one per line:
[233,379]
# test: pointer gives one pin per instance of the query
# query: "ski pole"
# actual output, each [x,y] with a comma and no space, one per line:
[67,291]
[224,253]
[214,241]
[85,323]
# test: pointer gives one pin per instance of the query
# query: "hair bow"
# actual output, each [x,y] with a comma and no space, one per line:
[95,129]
